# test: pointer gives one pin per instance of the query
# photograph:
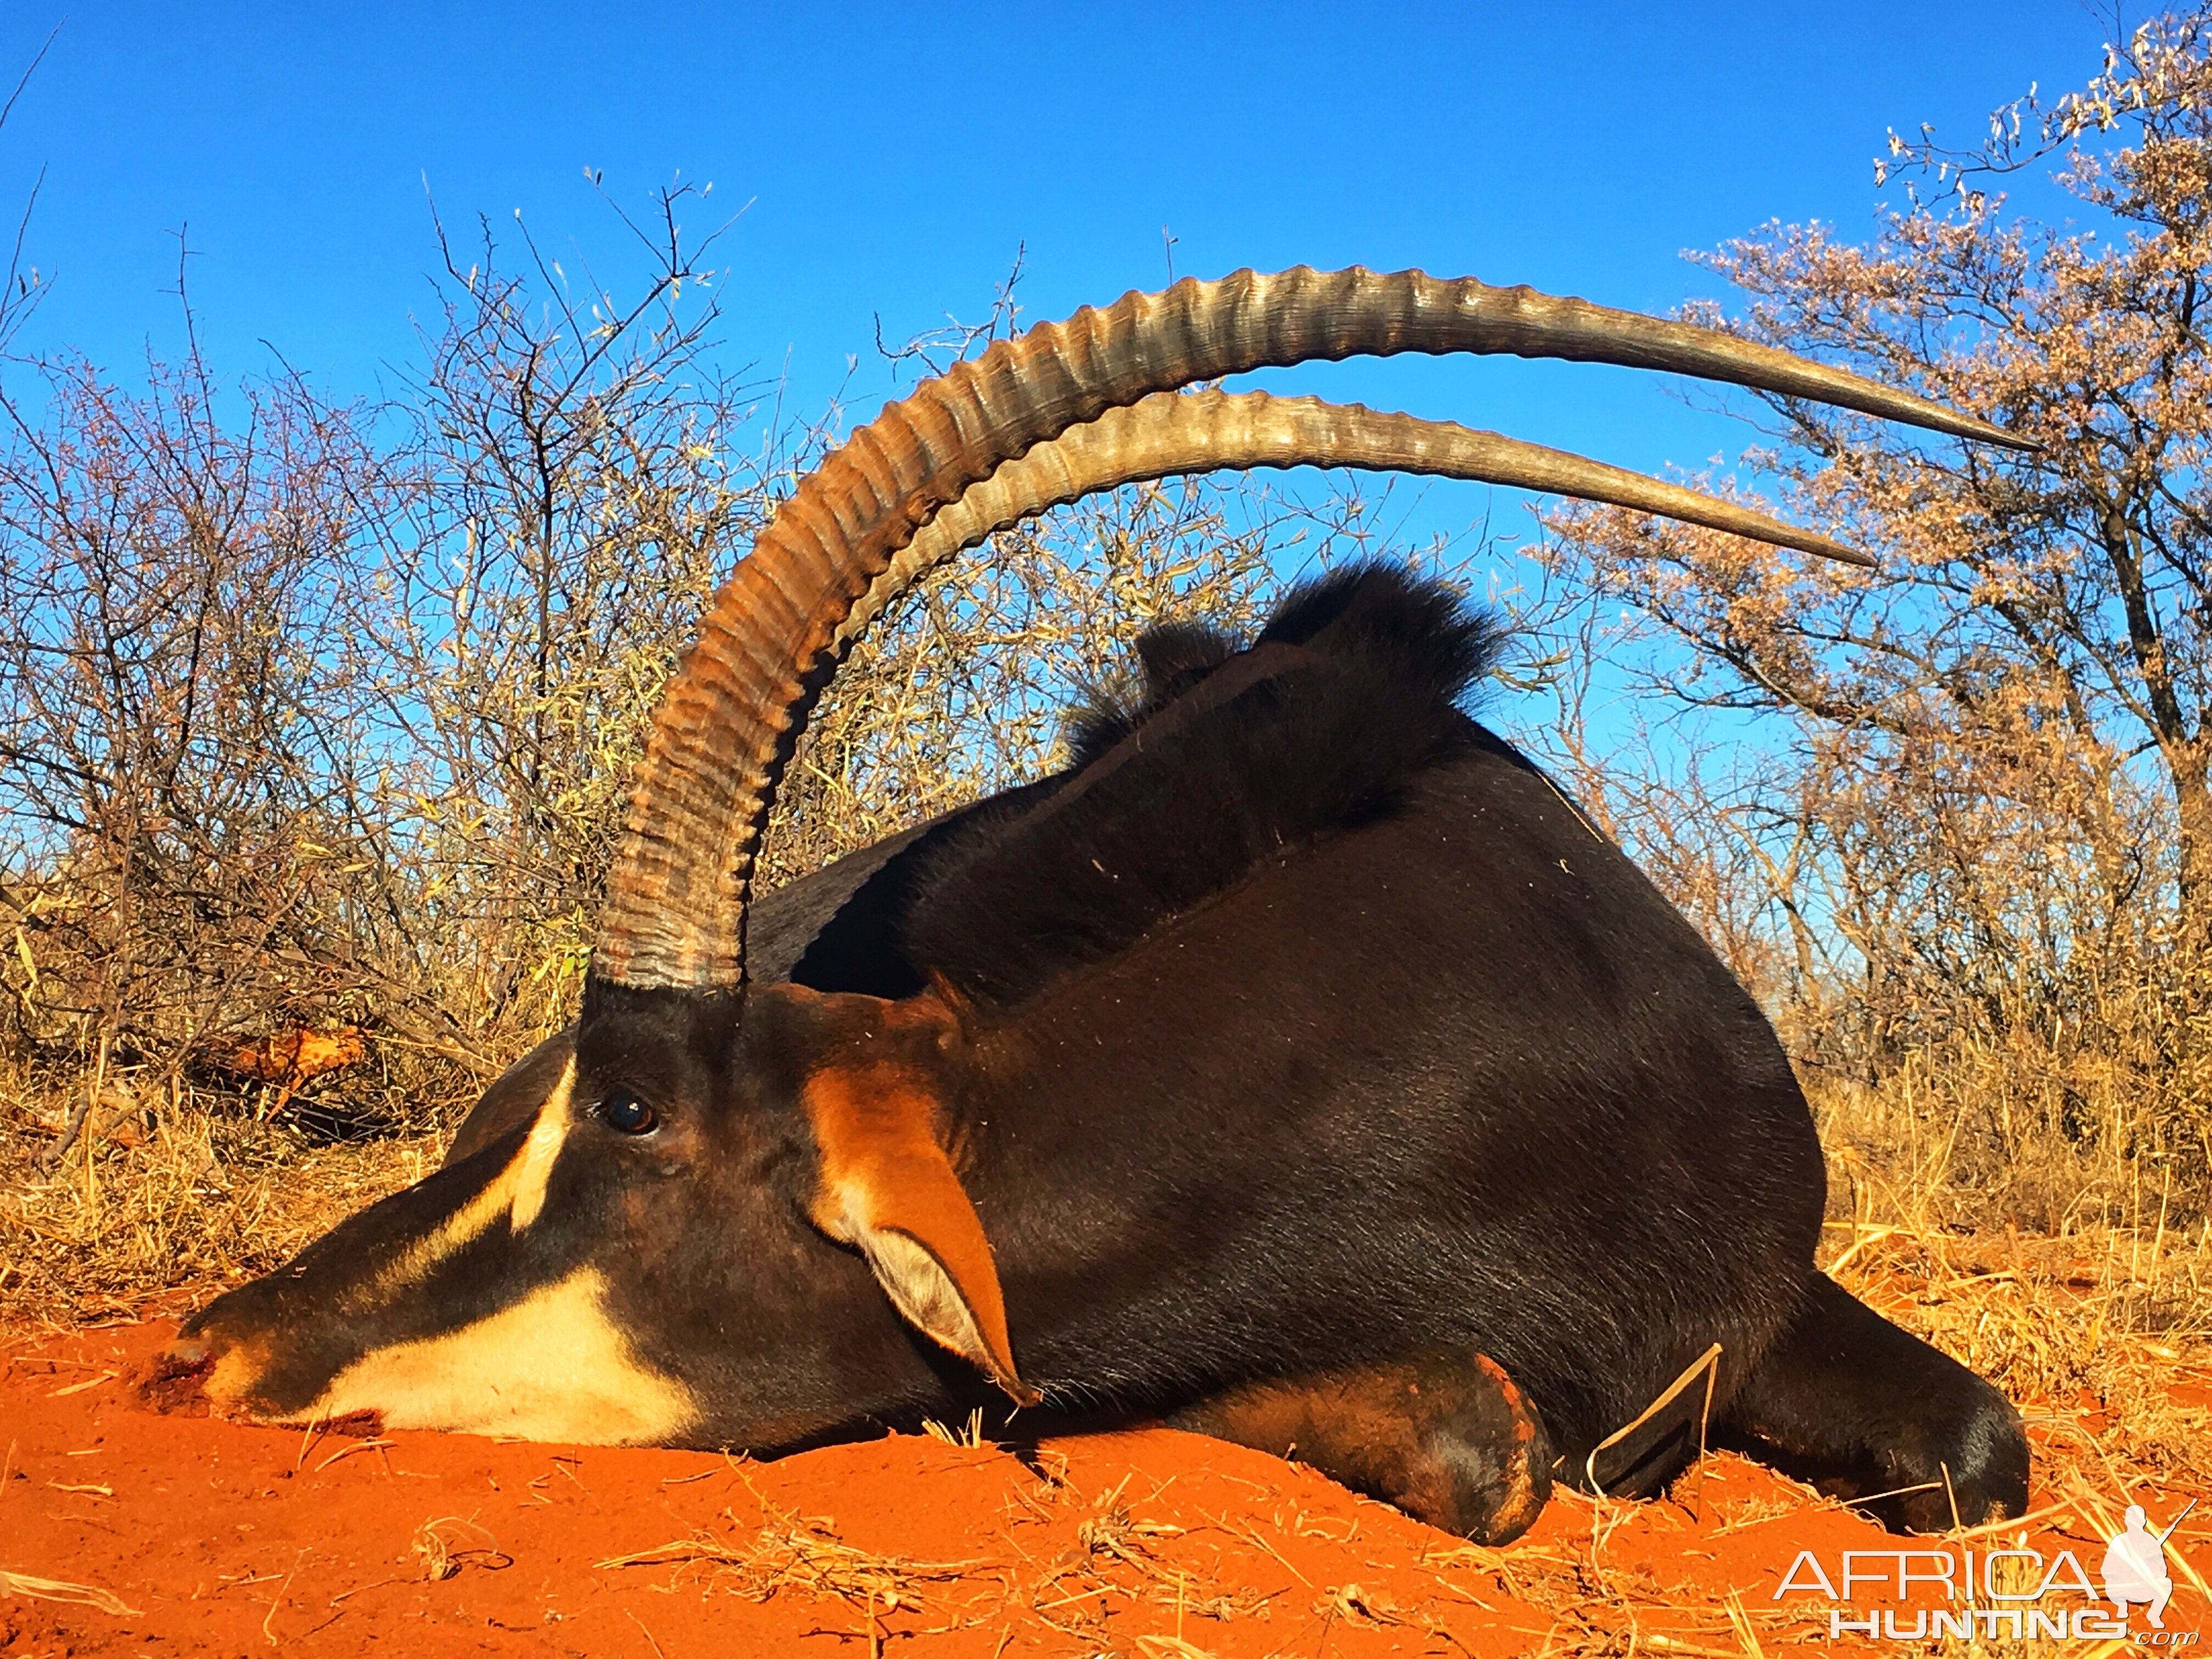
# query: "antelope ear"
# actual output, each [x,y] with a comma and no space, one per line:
[887,1186]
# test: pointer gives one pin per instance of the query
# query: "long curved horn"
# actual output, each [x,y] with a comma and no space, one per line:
[1170,434]
[727,719]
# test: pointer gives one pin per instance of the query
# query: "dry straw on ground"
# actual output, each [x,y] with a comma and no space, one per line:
[2102,1336]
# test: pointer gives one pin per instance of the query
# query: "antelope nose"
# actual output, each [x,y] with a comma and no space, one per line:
[175,1380]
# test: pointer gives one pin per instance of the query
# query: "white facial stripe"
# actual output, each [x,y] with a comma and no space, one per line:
[534,1167]
[519,1190]
[552,1367]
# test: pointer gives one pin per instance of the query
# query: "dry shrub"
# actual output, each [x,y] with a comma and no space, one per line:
[315,735]
[959,691]
[317,724]
[1965,854]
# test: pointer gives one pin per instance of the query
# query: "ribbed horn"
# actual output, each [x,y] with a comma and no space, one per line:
[727,719]
[1171,433]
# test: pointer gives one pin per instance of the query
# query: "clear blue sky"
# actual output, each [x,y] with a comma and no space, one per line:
[895,158]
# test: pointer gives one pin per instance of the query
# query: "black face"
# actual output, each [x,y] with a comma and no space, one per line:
[644,1259]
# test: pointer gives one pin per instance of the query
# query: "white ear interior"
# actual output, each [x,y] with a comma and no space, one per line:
[924,1292]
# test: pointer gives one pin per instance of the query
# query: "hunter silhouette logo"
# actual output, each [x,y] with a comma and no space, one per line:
[2135,1565]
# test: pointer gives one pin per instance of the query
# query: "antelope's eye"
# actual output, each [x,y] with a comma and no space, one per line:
[629,1115]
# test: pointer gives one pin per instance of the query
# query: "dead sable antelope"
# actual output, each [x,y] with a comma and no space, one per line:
[1296,1065]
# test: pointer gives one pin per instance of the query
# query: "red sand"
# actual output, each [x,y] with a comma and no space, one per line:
[220,1540]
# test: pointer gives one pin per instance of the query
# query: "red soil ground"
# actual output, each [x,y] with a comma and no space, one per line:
[185,1535]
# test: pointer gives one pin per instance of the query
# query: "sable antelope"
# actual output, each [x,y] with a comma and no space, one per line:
[1297,1065]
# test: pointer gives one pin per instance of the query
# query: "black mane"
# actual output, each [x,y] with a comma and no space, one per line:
[1222,761]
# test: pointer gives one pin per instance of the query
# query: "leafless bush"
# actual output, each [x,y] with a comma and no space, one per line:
[1966,851]
[571,481]
[173,715]
[313,715]
[316,721]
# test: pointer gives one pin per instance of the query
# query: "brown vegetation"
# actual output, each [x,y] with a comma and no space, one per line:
[1970,868]
[313,745]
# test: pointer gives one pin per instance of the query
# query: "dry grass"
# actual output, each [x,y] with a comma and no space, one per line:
[791,1553]
[194,1199]
[54,1589]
